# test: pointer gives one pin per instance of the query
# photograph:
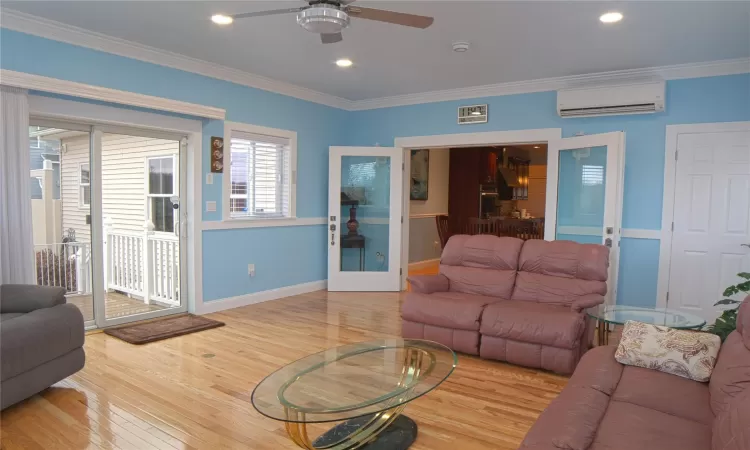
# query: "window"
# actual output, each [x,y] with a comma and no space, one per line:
[84,185]
[261,172]
[161,187]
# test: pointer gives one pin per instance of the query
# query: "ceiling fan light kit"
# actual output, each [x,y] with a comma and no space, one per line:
[323,19]
[328,17]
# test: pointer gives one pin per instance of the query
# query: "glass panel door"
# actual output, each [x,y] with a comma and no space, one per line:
[60,182]
[584,201]
[364,228]
[141,223]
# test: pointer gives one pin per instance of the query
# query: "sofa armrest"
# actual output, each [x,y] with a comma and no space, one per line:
[24,298]
[586,301]
[427,284]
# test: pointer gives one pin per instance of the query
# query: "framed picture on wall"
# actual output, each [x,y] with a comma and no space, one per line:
[420,174]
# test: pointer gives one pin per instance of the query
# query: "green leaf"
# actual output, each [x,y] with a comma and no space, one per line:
[727,301]
[744,275]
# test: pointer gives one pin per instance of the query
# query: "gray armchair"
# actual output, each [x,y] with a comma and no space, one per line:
[41,340]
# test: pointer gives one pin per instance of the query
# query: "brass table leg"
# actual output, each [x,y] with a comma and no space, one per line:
[602,332]
[365,434]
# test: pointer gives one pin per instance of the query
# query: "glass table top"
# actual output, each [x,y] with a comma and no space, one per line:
[354,380]
[619,314]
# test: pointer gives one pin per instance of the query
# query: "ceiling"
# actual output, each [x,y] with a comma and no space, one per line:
[510,41]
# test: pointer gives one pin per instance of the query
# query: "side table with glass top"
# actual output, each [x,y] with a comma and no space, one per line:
[365,385]
[619,314]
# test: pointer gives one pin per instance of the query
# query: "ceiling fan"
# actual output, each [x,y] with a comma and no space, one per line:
[329,17]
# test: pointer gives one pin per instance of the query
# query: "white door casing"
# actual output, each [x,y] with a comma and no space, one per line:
[711,217]
[614,186]
[368,280]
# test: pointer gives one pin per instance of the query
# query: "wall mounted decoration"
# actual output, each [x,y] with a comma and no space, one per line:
[420,174]
[217,154]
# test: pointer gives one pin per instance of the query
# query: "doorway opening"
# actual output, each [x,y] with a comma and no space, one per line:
[497,189]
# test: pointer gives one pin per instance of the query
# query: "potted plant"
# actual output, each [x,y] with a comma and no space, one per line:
[727,322]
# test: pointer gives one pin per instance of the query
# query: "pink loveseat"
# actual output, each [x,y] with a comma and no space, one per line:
[511,300]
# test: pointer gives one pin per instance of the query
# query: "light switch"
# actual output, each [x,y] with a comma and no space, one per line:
[211,206]
[209,178]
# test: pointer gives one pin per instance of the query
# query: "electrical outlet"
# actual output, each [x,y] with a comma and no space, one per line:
[209,178]
[251,270]
[210,206]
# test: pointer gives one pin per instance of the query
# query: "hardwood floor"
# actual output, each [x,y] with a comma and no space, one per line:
[193,392]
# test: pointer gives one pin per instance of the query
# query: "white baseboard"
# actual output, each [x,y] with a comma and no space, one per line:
[258,297]
[423,264]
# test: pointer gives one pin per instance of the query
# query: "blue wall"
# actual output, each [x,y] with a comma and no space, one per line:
[283,256]
[716,99]
[292,255]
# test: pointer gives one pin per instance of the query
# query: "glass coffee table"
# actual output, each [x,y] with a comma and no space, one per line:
[619,314]
[365,386]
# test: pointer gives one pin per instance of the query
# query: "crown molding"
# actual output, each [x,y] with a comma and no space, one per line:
[50,29]
[674,72]
[26,23]
[40,83]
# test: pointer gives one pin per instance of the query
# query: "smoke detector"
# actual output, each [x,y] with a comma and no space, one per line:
[460,47]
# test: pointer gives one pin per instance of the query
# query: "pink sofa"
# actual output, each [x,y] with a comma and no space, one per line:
[607,405]
[510,300]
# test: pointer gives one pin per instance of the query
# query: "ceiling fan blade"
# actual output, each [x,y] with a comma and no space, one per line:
[331,38]
[272,12]
[381,15]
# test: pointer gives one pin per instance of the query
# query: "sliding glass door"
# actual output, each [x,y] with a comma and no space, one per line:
[60,181]
[142,220]
[109,223]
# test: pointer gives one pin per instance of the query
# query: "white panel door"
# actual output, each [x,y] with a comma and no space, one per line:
[711,239]
[365,217]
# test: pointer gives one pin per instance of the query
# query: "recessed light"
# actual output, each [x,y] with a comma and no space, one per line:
[536,146]
[344,62]
[221,19]
[611,17]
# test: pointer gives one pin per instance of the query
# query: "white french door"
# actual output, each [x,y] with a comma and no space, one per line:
[585,177]
[364,226]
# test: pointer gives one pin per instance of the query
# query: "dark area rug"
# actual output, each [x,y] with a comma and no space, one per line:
[157,330]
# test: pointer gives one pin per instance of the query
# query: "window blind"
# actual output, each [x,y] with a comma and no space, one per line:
[260,176]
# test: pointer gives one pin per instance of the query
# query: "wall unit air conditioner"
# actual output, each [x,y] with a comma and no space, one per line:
[611,100]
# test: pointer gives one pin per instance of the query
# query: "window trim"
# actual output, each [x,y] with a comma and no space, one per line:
[149,196]
[229,127]
[81,185]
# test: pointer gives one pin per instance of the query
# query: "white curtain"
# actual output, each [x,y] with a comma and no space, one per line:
[16,240]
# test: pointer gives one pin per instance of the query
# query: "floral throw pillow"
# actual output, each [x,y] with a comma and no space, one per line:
[688,354]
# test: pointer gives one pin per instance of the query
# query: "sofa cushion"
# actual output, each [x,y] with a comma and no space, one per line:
[37,337]
[572,419]
[481,264]
[731,376]
[9,316]
[446,309]
[663,392]
[688,354]
[731,429]
[559,272]
[626,426]
[549,325]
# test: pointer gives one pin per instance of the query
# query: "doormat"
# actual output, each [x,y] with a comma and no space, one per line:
[157,330]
